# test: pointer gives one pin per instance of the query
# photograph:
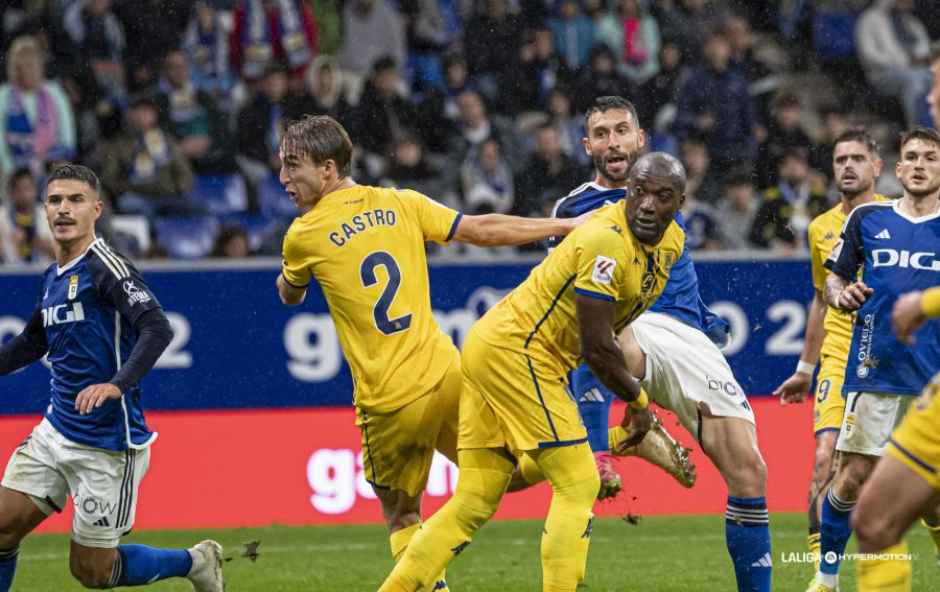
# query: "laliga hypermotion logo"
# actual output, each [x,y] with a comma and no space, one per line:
[134,294]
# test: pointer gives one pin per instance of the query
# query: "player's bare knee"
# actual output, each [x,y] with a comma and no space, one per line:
[90,573]
[11,530]
[873,531]
[851,478]
[822,465]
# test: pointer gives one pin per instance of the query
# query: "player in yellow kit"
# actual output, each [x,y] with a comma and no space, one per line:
[856,165]
[515,365]
[365,247]
[906,483]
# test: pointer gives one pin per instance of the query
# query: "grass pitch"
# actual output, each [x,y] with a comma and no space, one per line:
[660,554]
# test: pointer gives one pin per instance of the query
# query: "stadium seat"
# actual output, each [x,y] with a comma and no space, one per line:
[187,238]
[260,229]
[273,201]
[221,194]
[136,227]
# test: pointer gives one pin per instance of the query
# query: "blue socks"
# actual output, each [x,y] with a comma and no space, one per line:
[7,568]
[834,534]
[594,401]
[139,565]
[747,534]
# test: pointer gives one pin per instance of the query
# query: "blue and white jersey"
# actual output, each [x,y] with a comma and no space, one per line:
[88,309]
[680,299]
[897,254]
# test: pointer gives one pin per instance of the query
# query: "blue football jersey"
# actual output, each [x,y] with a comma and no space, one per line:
[88,309]
[680,299]
[897,254]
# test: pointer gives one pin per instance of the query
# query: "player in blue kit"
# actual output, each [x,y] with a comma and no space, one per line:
[673,349]
[894,245]
[103,330]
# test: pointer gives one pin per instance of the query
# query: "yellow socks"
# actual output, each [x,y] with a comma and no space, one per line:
[566,538]
[399,540]
[934,534]
[484,476]
[812,541]
[885,574]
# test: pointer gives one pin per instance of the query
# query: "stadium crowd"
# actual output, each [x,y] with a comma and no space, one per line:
[479,105]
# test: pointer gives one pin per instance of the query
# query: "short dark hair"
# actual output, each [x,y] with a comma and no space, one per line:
[319,138]
[926,134]
[738,177]
[785,99]
[860,135]
[75,172]
[18,174]
[603,104]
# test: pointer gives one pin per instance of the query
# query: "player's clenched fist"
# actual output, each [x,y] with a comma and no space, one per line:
[854,296]
[907,316]
[95,396]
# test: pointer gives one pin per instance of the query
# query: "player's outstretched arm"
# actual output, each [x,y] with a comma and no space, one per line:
[602,354]
[842,294]
[795,388]
[494,230]
[290,295]
[912,310]
[26,348]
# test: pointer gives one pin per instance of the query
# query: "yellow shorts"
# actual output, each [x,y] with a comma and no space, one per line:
[398,447]
[916,442]
[829,403]
[511,401]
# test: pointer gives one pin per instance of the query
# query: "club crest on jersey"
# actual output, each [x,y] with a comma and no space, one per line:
[73,287]
[134,294]
[648,280]
[603,270]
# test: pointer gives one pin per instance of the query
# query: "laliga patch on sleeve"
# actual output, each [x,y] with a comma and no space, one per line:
[603,270]
[836,251]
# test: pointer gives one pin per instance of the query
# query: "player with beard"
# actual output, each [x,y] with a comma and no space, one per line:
[894,245]
[857,165]
[673,349]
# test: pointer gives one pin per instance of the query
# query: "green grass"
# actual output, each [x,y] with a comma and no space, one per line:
[661,554]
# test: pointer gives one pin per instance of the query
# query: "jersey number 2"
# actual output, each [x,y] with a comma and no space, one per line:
[380,310]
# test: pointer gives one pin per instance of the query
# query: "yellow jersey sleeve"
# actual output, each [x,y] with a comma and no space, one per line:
[295,266]
[600,266]
[817,257]
[930,303]
[438,222]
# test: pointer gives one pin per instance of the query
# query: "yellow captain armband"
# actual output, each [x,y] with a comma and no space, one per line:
[930,302]
[641,402]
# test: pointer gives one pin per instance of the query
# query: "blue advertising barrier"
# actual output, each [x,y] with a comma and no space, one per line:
[236,346]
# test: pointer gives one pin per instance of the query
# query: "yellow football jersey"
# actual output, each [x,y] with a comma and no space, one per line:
[601,259]
[823,234]
[365,247]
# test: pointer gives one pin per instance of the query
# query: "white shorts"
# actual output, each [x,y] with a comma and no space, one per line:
[869,420]
[684,368]
[48,467]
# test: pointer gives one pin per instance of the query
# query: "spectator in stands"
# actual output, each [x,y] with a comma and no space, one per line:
[193,118]
[154,28]
[35,113]
[570,127]
[741,38]
[714,103]
[532,75]
[893,47]
[273,32]
[24,234]
[437,108]
[632,33]
[372,29]
[573,34]
[474,126]
[660,90]
[427,34]
[232,243]
[685,23]
[98,41]
[933,98]
[599,79]
[145,169]
[701,220]
[784,132]
[548,175]
[408,166]
[384,113]
[736,210]
[486,182]
[324,94]
[490,38]
[259,126]
[205,43]
[834,122]
[787,209]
